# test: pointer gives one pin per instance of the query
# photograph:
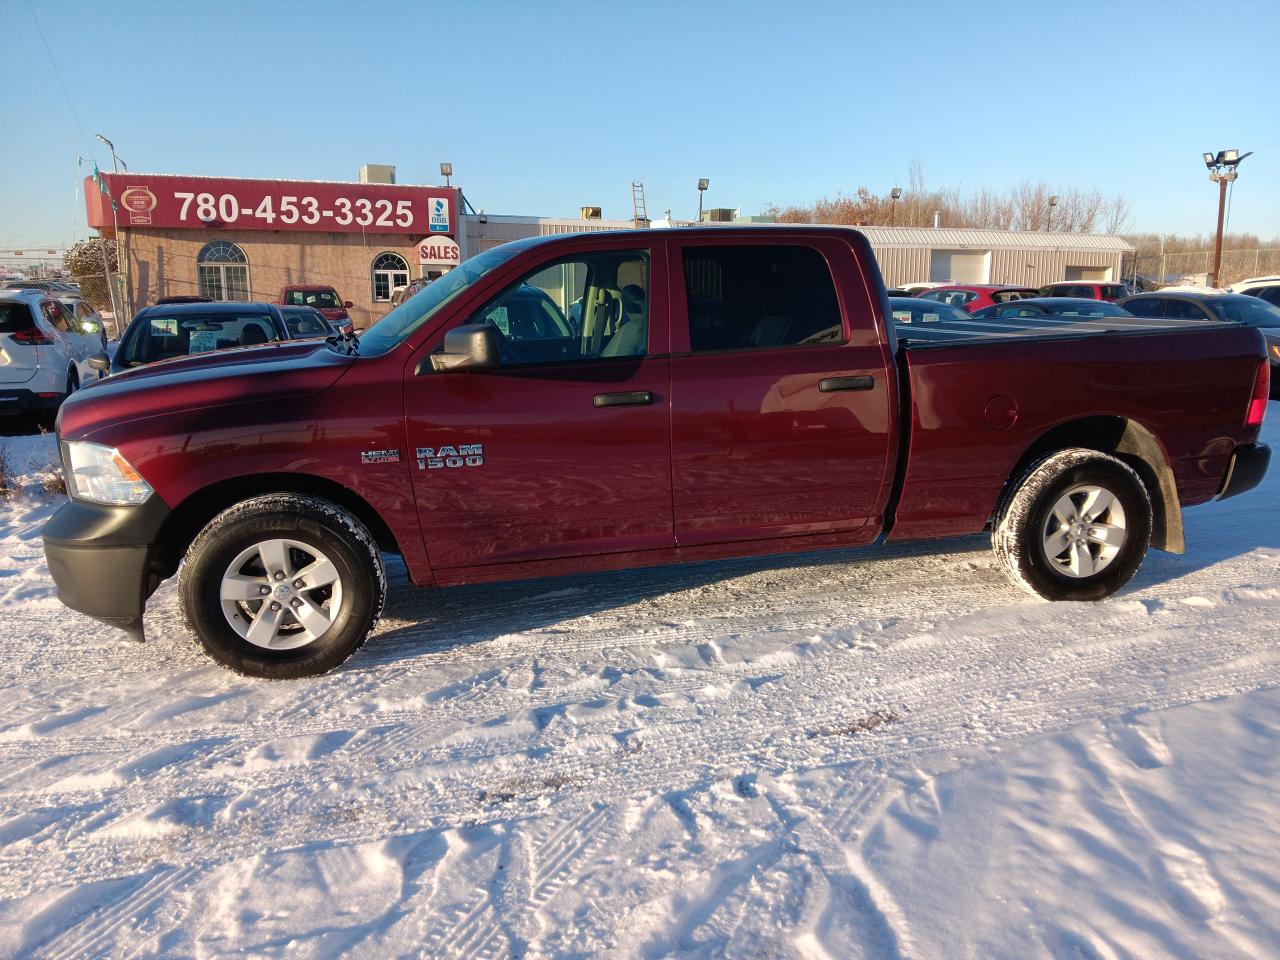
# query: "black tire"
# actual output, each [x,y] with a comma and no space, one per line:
[1025,523]
[318,525]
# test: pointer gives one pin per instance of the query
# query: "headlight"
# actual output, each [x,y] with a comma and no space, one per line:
[1275,350]
[101,475]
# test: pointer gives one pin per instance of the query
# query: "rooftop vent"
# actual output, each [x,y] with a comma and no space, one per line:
[589,213]
[378,173]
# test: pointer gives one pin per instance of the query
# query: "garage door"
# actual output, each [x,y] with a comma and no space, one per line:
[960,266]
[1096,274]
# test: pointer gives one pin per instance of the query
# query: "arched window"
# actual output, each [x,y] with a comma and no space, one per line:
[223,271]
[390,270]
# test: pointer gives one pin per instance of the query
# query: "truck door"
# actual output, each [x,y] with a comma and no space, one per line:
[564,449]
[783,406]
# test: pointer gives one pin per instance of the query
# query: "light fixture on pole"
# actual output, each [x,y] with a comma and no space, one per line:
[1048,224]
[1222,170]
[894,194]
[446,171]
[703,184]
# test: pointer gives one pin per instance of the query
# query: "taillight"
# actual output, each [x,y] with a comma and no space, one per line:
[31,336]
[1258,399]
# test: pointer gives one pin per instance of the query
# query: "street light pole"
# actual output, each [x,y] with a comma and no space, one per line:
[894,194]
[703,184]
[115,220]
[1222,170]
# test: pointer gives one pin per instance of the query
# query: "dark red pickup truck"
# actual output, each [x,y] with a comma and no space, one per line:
[573,404]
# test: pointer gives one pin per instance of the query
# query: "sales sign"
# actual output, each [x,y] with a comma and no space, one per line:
[201,203]
[438,252]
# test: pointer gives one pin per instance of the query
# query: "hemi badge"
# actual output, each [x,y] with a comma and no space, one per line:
[380,456]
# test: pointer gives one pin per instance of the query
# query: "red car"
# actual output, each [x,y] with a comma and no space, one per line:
[975,296]
[324,298]
[1085,289]
[721,393]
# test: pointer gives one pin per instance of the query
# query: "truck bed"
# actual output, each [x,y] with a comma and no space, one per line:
[915,335]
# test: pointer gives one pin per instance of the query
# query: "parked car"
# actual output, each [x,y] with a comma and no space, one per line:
[47,286]
[169,331]
[324,298]
[1085,290]
[916,310]
[760,404]
[44,351]
[1224,307]
[1051,306]
[183,298]
[970,297]
[1264,288]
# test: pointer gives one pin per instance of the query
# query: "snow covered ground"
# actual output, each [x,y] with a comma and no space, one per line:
[884,754]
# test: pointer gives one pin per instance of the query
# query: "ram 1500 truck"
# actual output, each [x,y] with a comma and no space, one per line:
[564,405]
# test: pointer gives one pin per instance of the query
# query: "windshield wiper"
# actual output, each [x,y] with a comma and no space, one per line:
[347,343]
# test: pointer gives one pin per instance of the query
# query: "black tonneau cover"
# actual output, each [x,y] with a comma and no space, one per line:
[916,334]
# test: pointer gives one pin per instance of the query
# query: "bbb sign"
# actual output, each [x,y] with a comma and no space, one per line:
[438,252]
[439,219]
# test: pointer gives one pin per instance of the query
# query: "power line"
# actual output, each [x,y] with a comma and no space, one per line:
[58,73]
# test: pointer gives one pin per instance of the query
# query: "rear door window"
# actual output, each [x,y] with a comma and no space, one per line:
[760,297]
[14,317]
[1183,310]
[1146,307]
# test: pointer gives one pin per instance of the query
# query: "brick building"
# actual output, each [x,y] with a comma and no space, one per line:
[238,239]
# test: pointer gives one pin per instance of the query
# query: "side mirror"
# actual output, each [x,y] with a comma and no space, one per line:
[473,346]
[348,304]
[100,361]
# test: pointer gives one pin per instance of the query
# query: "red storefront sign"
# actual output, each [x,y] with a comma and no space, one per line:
[200,203]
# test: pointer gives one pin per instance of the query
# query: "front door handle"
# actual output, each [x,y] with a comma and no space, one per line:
[633,398]
[832,384]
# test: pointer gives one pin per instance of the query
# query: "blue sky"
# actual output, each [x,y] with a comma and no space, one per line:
[543,107]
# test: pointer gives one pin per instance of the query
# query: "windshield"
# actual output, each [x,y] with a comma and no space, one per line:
[1250,310]
[392,329]
[162,338]
[325,299]
[911,310]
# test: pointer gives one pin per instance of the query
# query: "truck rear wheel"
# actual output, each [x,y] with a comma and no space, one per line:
[1075,527]
[282,586]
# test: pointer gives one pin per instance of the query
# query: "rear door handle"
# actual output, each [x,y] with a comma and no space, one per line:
[832,384]
[634,398]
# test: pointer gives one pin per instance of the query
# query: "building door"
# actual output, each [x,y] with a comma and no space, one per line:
[1094,274]
[958,266]
[564,449]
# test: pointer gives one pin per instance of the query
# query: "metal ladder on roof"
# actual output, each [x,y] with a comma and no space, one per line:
[640,214]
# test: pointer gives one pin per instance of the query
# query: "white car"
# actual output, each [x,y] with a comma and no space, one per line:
[1264,288]
[44,351]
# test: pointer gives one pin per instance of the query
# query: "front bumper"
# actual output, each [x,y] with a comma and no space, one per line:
[1247,468]
[101,556]
[26,401]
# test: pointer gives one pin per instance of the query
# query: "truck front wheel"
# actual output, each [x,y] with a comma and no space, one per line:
[282,586]
[1075,527]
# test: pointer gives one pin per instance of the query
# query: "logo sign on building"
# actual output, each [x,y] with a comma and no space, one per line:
[438,252]
[139,202]
[229,203]
[439,215]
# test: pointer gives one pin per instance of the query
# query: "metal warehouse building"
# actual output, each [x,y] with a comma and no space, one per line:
[905,254]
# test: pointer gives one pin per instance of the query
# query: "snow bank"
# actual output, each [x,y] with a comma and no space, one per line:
[892,753]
